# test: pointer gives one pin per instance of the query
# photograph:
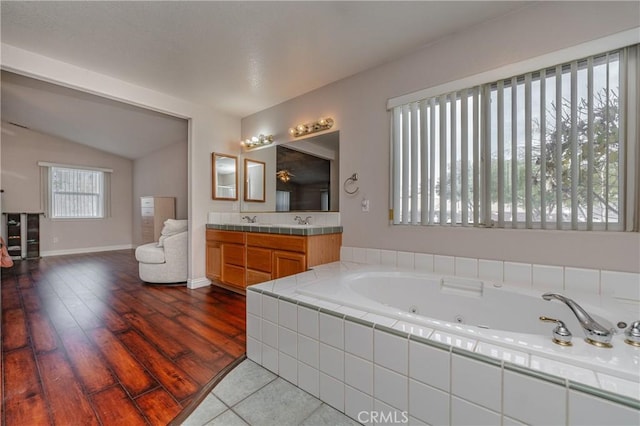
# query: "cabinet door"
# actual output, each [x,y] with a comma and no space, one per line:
[287,263]
[214,260]
[257,277]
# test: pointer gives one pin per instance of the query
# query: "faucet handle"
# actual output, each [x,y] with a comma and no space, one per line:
[561,334]
[632,334]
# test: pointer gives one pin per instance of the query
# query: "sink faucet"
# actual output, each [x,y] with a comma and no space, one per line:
[302,221]
[597,335]
[249,219]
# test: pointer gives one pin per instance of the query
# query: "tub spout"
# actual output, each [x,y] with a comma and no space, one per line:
[596,334]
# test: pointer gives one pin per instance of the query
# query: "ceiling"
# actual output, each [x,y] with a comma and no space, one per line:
[239,57]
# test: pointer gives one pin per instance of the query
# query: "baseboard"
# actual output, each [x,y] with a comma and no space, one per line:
[85,250]
[198,282]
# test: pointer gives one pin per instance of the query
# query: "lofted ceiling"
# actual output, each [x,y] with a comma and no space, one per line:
[239,57]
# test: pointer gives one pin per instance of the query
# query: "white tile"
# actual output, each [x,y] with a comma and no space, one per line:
[466,373]
[359,255]
[391,351]
[379,319]
[466,267]
[288,368]
[332,391]
[254,303]
[390,387]
[505,354]
[308,322]
[309,379]
[358,373]
[388,415]
[269,334]
[418,330]
[623,285]
[490,269]
[587,410]
[453,340]
[332,330]
[444,265]
[548,278]
[372,256]
[508,421]
[270,308]
[568,371]
[358,405]
[346,254]
[415,422]
[405,260]
[464,413]
[423,262]
[358,340]
[332,361]
[254,327]
[619,386]
[288,314]
[518,274]
[308,350]
[388,257]
[429,365]
[270,358]
[254,350]
[547,407]
[288,341]
[428,404]
[583,280]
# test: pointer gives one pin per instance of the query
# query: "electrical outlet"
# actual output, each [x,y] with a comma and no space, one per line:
[365,205]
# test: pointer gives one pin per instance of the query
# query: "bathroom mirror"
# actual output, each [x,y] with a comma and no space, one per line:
[254,180]
[224,172]
[301,175]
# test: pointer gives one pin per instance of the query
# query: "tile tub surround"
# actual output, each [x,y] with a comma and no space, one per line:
[317,218]
[278,229]
[357,361]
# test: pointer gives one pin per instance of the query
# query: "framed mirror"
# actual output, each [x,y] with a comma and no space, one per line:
[254,180]
[224,171]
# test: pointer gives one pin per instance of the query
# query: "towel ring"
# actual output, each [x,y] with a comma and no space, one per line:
[350,180]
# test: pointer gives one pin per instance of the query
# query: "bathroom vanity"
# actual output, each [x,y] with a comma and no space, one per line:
[246,254]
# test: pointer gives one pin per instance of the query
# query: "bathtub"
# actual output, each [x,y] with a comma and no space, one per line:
[492,323]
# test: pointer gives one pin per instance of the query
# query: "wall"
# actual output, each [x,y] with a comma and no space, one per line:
[163,173]
[22,149]
[209,130]
[358,105]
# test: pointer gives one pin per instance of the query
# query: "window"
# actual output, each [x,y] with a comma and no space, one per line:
[546,149]
[70,192]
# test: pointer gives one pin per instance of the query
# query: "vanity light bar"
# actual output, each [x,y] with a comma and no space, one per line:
[305,129]
[257,141]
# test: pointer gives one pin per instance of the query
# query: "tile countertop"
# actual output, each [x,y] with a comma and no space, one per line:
[283,229]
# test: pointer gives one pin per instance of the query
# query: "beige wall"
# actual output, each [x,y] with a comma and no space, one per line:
[21,151]
[163,173]
[358,105]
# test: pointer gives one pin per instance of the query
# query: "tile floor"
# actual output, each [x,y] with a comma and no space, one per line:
[252,395]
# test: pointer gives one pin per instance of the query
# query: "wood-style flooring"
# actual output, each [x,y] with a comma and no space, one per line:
[85,342]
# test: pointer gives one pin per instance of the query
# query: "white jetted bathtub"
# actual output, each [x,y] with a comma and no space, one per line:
[420,324]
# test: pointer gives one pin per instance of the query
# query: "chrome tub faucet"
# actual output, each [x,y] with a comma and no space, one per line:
[249,219]
[596,334]
[302,221]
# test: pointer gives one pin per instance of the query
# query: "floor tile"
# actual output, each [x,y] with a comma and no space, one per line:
[242,381]
[278,403]
[228,418]
[328,416]
[208,409]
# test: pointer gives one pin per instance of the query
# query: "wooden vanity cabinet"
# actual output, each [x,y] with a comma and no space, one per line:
[238,259]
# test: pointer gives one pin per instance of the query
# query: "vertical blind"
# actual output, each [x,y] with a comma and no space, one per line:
[545,149]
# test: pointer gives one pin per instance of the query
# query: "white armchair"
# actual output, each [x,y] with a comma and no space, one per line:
[165,264]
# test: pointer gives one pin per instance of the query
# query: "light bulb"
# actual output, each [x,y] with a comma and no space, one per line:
[302,127]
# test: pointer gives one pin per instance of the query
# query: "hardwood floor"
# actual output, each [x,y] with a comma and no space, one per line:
[85,342]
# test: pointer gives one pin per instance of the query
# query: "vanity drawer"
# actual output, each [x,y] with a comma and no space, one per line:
[233,275]
[279,242]
[226,236]
[259,259]
[233,254]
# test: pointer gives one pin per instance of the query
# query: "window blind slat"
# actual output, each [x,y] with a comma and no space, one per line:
[558,150]
[424,163]
[514,152]
[527,150]
[443,160]
[574,145]
[406,162]
[432,159]
[415,157]
[464,155]
[590,146]
[397,163]
[543,149]
[476,155]
[500,153]
[453,122]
